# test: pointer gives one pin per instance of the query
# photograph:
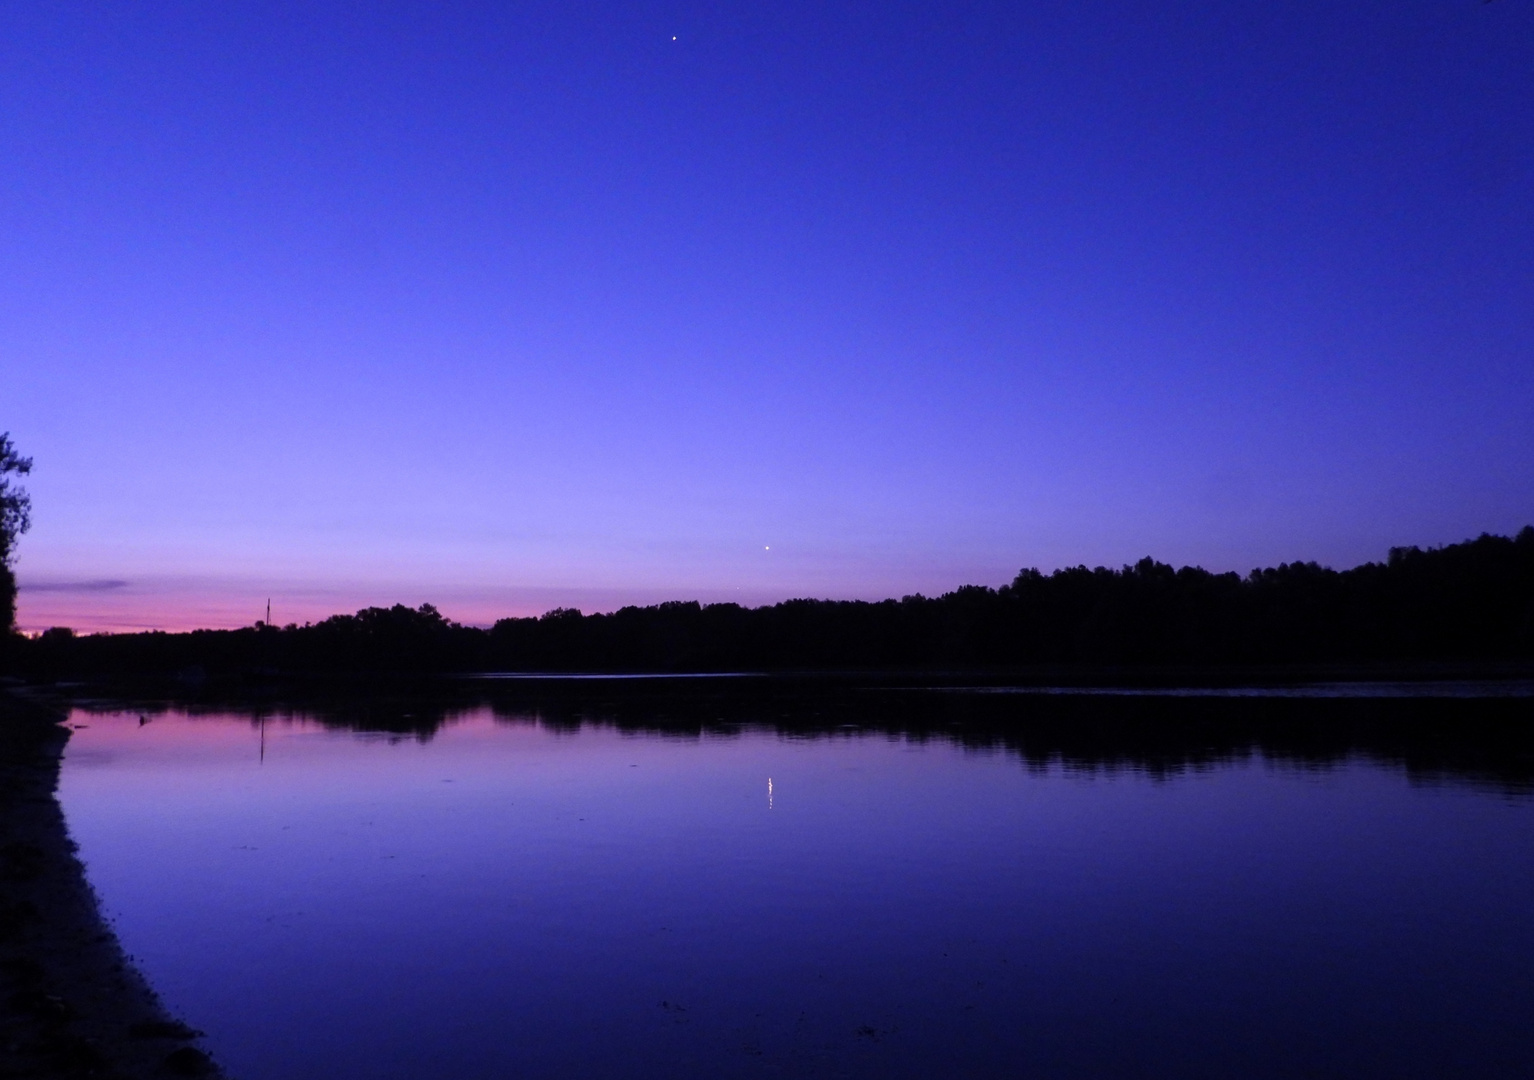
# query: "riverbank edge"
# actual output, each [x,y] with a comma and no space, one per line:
[71,1002]
[78,684]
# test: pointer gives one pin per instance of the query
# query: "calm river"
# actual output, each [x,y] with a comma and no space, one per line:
[522,890]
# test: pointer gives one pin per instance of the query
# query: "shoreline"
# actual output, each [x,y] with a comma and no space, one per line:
[71,1003]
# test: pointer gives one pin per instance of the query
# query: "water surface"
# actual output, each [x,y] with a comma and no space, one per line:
[502,892]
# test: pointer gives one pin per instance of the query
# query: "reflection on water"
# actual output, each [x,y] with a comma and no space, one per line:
[561,880]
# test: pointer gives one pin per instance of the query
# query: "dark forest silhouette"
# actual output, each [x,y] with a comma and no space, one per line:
[1472,601]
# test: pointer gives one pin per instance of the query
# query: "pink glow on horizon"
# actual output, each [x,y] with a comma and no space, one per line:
[127,607]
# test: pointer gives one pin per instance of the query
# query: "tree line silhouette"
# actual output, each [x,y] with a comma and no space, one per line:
[1472,601]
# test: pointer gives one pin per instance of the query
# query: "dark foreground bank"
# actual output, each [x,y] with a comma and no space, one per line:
[72,1004]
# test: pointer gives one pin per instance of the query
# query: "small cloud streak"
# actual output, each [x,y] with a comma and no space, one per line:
[100,585]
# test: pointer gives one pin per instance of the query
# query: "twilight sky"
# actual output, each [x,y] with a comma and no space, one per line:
[510,305]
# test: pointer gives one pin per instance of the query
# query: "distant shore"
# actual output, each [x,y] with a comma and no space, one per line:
[73,1006]
[1462,606]
[255,683]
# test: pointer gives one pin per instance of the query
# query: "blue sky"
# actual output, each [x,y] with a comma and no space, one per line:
[504,306]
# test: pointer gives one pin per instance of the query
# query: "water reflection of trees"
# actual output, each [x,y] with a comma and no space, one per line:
[1479,741]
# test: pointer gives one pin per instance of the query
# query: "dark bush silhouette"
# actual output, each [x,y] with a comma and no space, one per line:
[1472,601]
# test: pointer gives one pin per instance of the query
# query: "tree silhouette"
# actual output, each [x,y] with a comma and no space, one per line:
[15,519]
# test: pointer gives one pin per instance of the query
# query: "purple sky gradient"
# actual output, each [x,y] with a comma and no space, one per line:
[508,306]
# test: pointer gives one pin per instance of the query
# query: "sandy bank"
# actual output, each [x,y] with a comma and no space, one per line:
[71,1005]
